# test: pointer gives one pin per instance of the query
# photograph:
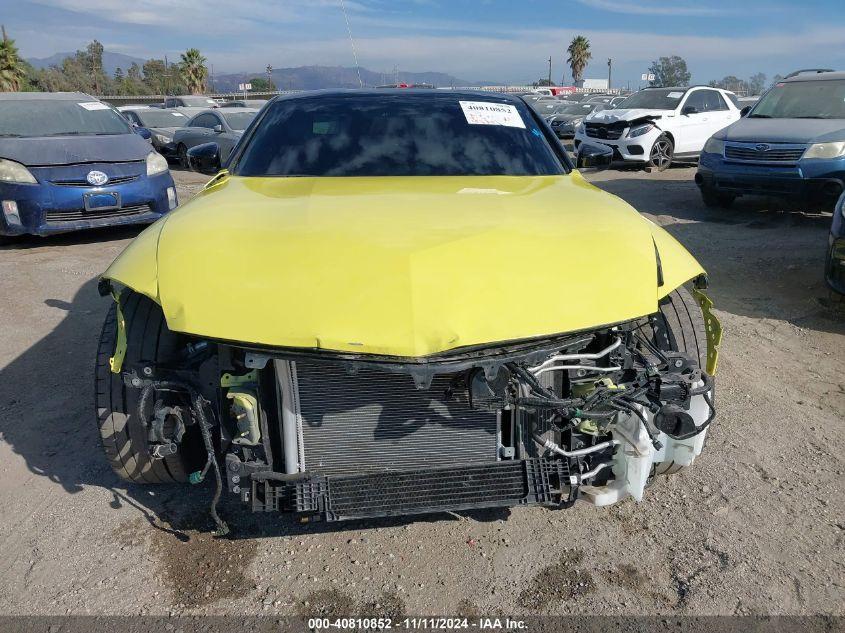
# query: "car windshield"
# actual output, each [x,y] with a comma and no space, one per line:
[398,135]
[580,108]
[48,117]
[198,102]
[161,118]
[821,99]
[654,99]
[238,120]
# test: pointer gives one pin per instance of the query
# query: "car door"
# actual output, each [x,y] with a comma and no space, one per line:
[693,123]
[200,130]
[226,138]
[722,113]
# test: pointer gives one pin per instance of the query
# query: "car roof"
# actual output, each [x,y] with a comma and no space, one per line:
[814,76]
[418,92]
[47,96]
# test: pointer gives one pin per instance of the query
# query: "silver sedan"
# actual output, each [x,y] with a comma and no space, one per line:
[223,127]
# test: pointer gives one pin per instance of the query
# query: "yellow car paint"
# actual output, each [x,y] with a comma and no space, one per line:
[400,266]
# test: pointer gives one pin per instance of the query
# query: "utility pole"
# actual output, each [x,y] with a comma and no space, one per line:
[609,67]
[550,71]
[212,79]
[166,75]
[269,70]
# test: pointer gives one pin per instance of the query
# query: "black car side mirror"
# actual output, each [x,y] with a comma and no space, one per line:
[205,158]
[745,111]
[591,156]
[689,110]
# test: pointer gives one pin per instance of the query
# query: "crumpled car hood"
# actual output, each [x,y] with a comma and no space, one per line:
[400,266]
[612,116]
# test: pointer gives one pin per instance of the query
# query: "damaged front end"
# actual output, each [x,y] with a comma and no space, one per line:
[338,436]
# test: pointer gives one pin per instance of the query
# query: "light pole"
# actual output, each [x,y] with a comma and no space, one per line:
[269,77]
[609,66]
[550,71]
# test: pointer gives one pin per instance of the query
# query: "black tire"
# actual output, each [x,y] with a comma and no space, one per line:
[182,155]
[660,156]
[122,433]
[682,330]
[714,199]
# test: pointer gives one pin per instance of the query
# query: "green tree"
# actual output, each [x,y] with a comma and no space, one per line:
[757,83]
[12,71]
[155,76]
[579,56]
[670,71]
[262,84]
[193,71]
[134,72]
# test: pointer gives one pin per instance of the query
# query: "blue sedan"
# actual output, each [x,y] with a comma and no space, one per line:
[69,162]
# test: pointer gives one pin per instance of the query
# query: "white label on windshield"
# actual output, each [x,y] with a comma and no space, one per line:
[675,95]
[487,113]
[94,105]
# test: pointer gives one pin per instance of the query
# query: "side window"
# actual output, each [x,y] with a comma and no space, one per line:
[204,120]
[132,118]
[717,100]
[170,103]
[697,100]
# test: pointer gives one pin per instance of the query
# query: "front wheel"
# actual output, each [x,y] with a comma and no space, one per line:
[123,434]
[680,328]
[661,153]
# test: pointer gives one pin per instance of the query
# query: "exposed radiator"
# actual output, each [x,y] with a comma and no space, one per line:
[379,421]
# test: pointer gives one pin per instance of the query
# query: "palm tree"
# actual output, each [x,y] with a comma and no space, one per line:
[579,55]
[11,68]
[193,71]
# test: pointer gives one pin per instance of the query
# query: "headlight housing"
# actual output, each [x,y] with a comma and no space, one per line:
[576,122]
[825,150]
[714,146]
[10,171]
[640,130]
[156,164]
[163,138]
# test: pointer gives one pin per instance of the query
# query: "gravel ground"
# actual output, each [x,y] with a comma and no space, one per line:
[756,527]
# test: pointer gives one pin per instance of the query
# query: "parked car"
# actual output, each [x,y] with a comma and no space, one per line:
[69,161]
[349,318]
[567,120]
[834,270]
[223,126]
[244,103]
[189,101]
[790,145]
[547,109]
[659,125]
[160,123]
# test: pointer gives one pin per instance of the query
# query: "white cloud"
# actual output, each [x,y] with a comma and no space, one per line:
[641,7]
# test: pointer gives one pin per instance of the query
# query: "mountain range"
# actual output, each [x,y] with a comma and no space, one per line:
[298,78]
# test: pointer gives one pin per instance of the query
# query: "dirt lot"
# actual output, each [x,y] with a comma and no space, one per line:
[757,526]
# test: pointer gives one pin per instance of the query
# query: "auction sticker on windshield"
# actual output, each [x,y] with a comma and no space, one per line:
[95,105]
[486,113]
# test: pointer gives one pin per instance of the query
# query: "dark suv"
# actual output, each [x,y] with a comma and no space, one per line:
[791,144]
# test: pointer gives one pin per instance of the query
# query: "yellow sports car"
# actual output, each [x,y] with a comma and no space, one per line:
[401,302]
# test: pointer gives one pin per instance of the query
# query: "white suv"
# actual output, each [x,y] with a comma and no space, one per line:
[658,125]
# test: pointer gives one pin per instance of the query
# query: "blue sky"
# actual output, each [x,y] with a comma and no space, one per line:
[507,40]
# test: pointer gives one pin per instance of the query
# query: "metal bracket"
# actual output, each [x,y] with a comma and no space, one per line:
[713,329]
[116,361]
[230,380]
